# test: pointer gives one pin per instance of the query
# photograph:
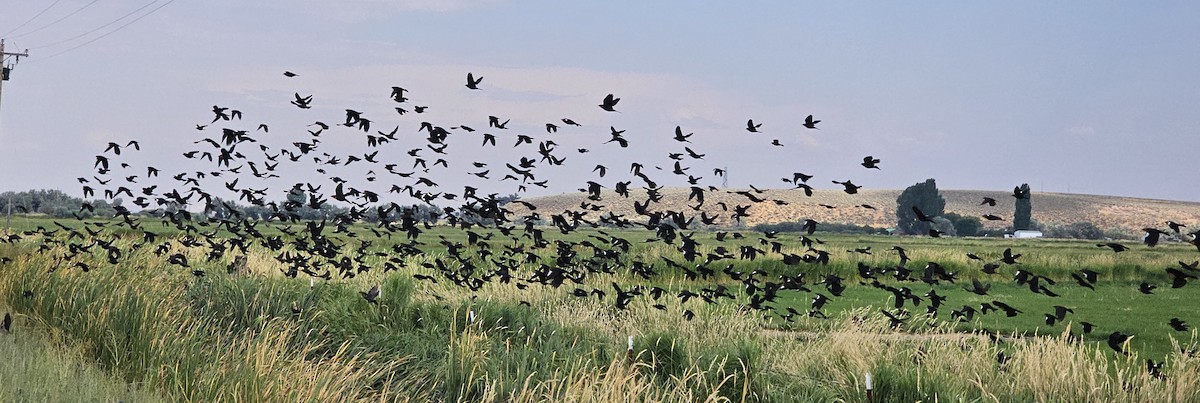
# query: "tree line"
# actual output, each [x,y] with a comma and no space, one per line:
[58,204]
[54,203]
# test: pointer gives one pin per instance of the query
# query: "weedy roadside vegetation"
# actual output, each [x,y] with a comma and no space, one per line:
[266,337]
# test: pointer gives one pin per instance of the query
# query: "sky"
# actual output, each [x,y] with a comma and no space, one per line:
[1079,97]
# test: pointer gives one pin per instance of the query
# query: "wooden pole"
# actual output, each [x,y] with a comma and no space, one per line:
[870,395]
[629,352]
[3,54]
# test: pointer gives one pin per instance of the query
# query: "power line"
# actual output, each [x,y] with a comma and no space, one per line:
[113,31]
[56,21]
[39,14]
[93,30]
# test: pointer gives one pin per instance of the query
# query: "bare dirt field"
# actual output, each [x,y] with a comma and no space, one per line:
[1123,214]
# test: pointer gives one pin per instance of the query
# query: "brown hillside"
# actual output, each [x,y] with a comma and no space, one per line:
[1125,214]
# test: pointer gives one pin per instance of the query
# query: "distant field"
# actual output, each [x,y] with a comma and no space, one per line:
[1124,214]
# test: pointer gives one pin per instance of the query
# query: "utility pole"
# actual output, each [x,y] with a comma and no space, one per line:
[5,73]
[725,178]
[6,68]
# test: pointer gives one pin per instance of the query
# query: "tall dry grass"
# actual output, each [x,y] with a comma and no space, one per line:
[137,321]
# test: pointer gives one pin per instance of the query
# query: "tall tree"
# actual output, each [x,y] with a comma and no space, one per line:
[925,197]
[1023,212]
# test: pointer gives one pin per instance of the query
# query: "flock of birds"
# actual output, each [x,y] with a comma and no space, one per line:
[503,245]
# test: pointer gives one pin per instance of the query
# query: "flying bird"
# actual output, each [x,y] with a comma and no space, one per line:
[850,188]
[1152,236]
[978,288]
[302,102]
[1175,226]
[609,103]
[472,82]
[680,137]
[1060,312]
[616,136]
[1008,257]
[921,215]
[398,95]
[1179,278]
[810,123]
[371,295]
[1116,341]
[751,127]
[1086,278]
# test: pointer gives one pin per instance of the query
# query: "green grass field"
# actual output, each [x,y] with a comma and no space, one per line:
[38,367]
[266,337]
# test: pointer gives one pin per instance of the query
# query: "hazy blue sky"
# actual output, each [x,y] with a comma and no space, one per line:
[1094,97]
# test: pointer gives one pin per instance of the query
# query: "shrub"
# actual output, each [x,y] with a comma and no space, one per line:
[944,225]
[1079,230]
[835,227]
[964,225]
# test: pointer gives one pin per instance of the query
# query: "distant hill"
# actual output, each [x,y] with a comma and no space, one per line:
[1123,214]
